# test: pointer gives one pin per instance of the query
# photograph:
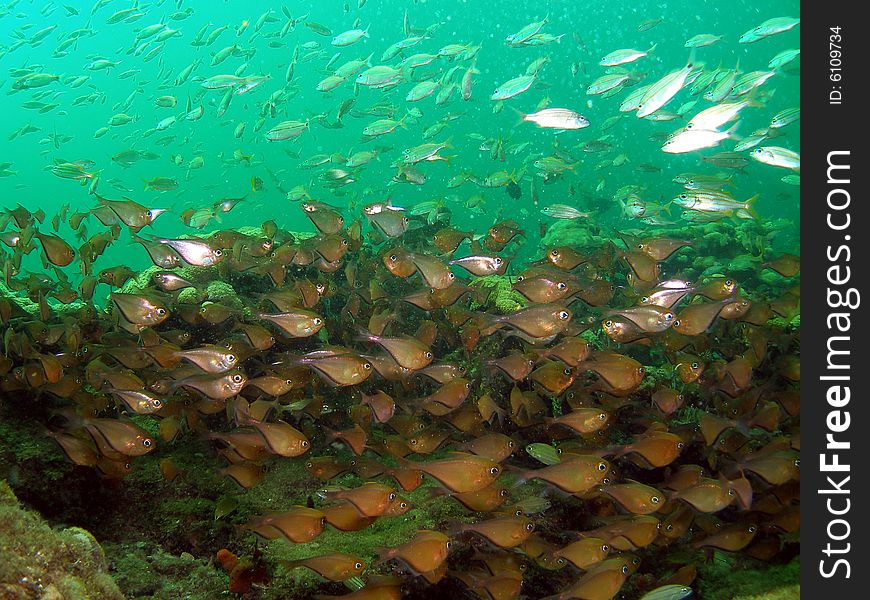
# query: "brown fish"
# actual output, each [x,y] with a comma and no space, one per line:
[538,322]
[423,554]
[334,566]
[661,248]
[584,553]
[459,472]
[731,538]
[122,437]
[697,318]
[575,474]
[139,309]
[282,438]
[635,497]
[299,524]
[370,499]
[504,532]
[298,323]
[787,265]
[407,351]
[55,250]
[658,448]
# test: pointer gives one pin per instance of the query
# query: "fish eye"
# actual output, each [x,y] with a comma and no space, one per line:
[695,365]
[680,445]
[503,493]
[608,323]
[231,358]
[554,253]
[357,566]
[602,466]
[497,260]
[447,545]
[393,257]
[641,370]
[237,378]
[403,505]
[392,496]
[564,315]
[304,443]
[309,465]
[644,300]
[160,312]
[561,285]
[752,529]
[602,417]
[624,570]
[560,561]
[606,481]
[427,354]
[530,527]
[670,527]
[451,276]
[317,321]
[605,548]
[797,462]
[683,196]
[655,499]
[680,397]
[218,252]
[367,366]
[730,492]
[494,470]
[669,316]
[147,442]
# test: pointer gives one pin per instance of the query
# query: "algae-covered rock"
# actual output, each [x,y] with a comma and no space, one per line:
[567,233]
[40,562]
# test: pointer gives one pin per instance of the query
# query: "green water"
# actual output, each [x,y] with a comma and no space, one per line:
[591,29]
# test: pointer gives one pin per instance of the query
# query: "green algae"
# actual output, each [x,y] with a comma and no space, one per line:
[733,578]
[503,297]
[145,571]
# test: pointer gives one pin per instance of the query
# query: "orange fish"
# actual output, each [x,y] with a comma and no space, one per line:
[299,525]
[460,472]
[504,532]
[334,566]
[423,554]
[635,497]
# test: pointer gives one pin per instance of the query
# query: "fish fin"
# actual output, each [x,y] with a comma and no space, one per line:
[521,116]
[750,209]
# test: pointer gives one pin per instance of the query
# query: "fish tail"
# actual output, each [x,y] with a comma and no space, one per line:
[521,116]
[749,208]
[383,554]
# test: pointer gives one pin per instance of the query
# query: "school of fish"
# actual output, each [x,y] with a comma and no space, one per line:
[617,429]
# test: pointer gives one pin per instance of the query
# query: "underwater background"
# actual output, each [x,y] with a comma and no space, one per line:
[414,232]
